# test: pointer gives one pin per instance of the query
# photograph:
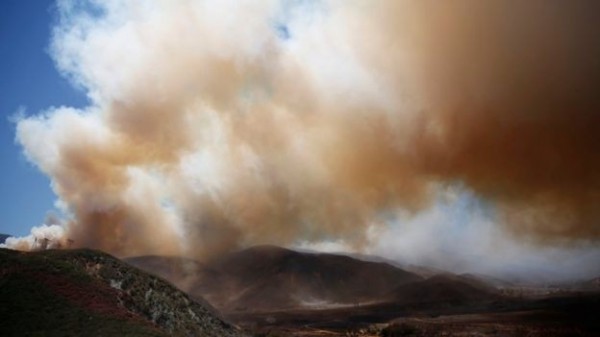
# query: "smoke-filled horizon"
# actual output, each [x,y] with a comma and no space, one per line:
[216,125]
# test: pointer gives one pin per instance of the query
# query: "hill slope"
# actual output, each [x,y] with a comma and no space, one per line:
[442,290]
[89,293]
[269,277]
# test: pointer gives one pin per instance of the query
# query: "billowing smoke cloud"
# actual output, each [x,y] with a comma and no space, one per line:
[219,124]
[41,237]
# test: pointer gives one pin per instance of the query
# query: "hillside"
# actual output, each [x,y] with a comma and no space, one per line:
[443,290]
[269,277]
[89,293]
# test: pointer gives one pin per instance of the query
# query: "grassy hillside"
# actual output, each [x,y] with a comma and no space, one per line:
[89,293]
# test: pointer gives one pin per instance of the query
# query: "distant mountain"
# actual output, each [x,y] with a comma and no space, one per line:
[443,289]
[269,278]
[587,285]
[415,269]
[486,280]
[89,293]
[3,237]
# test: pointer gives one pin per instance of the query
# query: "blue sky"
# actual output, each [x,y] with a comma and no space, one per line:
[28,80]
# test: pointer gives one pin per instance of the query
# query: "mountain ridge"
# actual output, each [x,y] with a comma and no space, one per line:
[3,237]
[267,278]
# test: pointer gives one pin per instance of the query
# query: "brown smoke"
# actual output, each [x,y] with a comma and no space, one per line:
[210,131]
[512,90]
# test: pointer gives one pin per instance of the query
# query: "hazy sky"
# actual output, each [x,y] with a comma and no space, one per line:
[456,134]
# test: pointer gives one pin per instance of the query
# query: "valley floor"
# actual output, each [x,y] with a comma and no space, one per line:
[564,316]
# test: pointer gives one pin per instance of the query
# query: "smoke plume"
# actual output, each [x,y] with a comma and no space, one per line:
[220,124]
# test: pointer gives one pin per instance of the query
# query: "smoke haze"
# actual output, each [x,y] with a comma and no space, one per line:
[221,124]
